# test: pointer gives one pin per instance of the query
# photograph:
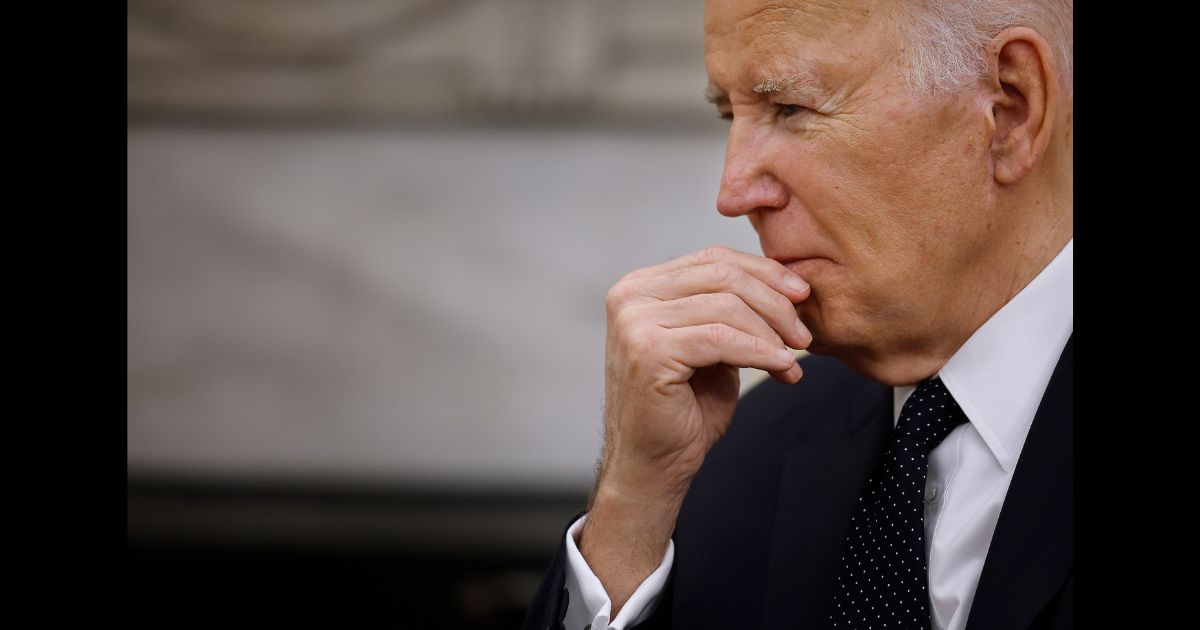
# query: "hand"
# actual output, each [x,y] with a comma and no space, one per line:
[677,334]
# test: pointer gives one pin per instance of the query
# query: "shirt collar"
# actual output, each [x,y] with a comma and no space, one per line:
[999,375]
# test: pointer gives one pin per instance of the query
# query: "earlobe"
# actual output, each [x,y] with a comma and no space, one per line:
[1021,92]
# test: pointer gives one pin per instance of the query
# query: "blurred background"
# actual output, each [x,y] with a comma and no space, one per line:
[368,248]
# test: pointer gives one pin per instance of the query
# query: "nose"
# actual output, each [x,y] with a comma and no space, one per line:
[747,183]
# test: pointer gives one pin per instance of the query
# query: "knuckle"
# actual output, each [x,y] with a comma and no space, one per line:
[715,253]
[723,275]
[617,296]
[716,334]
[628,318]
[620,319]
[677,306]
[628,275]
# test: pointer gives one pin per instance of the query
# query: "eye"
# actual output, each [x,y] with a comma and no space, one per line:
[787,110]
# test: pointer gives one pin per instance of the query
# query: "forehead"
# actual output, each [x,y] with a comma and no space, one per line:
[748,42]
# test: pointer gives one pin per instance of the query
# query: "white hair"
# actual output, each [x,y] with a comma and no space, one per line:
[944,40]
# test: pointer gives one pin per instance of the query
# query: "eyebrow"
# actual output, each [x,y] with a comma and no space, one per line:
[791,82]
[797,82]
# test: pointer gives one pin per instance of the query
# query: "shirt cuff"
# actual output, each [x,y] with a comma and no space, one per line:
[588,605]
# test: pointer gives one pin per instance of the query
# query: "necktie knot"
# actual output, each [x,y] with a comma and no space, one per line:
[929,414]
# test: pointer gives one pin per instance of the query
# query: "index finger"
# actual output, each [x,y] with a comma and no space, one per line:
[771,272]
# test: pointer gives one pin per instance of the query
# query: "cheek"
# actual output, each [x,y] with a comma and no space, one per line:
[836,188]
[912,190]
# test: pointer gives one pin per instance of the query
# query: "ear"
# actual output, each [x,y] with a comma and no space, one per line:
[1022,91]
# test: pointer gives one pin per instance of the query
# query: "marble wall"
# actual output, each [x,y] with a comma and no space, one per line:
[370,240]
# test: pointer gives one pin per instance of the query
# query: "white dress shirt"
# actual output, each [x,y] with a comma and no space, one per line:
[998,377]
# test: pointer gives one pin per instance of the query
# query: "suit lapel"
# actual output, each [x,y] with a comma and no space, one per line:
[1031,551]
[814,508]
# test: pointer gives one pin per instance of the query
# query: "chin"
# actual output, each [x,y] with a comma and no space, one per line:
[842,344]
[824,345]
[865,361]
[825,340]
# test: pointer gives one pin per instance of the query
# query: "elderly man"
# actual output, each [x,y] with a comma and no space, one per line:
[907,166]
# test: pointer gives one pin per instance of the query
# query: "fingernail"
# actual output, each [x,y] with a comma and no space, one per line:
[786,355]
[802,330]
[794,283]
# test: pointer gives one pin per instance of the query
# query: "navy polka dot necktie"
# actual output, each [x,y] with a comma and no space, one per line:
[884,577]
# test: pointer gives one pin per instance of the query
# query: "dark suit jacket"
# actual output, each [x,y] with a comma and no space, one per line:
[763,526]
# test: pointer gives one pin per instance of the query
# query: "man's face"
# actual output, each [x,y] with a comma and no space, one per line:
[833,160]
